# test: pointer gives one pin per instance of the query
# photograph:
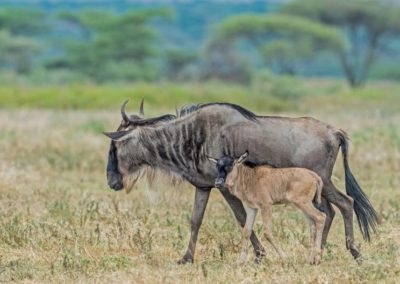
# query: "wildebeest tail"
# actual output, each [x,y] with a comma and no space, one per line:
[367,217]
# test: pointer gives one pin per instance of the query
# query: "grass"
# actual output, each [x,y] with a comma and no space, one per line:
[268,94]
[61,223]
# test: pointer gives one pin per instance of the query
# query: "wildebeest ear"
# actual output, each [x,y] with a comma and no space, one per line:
[119,135]
[243,157]
[212,160]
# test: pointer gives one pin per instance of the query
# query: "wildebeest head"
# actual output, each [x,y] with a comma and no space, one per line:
[226,165]
[120,173]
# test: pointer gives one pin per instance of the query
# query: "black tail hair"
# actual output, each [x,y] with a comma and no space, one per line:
[367,217]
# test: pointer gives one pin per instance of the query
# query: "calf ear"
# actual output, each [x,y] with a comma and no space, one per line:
[212,160]
[243,157]
[119,135]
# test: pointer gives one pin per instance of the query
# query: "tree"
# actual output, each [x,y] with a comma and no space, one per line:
[16,52]
[113,46]
[366,24]
[176,61]
[23,22]
[17,45]
[282,39]
[285,55]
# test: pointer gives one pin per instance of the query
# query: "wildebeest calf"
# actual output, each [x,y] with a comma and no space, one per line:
[260,187]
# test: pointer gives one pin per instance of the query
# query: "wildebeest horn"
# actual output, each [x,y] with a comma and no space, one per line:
[176,111]
[123,113]
[141,111]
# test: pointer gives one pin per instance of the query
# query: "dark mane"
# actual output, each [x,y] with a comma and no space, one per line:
[245,112]
[263,163]
[154,120]
[187,109]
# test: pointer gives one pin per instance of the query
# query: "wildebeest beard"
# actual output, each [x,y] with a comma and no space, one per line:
[115,179]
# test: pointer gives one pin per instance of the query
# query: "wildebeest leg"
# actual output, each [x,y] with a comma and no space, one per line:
[345,205]
[327,208]
[200,202]
[240,214]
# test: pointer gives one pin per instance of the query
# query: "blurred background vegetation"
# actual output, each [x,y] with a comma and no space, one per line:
[67,65]
[260,47]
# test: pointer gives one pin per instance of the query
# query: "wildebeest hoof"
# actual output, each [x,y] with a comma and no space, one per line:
[359,259]
[259,257]
[355,252]
[185,260]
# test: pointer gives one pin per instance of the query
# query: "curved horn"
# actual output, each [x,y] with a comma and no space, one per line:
[176,111]
[123,113]
[141,111]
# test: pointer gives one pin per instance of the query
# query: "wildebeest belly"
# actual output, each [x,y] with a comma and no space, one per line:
[284,143]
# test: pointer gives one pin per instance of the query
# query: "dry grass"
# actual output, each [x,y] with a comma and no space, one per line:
[60,223]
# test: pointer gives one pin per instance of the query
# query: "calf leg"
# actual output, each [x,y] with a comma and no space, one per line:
[266,216]
[320,223]
[246,232]
[317,220]
[345,205]
[199,207]
[240,214]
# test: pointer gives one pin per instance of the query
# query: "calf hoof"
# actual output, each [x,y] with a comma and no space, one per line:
[284,258]
[315,259]
[185,260]
[242,259]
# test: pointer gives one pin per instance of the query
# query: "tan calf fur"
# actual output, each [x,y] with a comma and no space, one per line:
[263,186]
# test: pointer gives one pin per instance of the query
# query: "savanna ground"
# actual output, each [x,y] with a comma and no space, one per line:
[61,223]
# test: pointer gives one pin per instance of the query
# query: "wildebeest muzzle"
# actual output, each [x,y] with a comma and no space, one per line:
[115,180]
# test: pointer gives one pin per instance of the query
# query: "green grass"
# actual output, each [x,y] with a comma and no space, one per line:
[276,94]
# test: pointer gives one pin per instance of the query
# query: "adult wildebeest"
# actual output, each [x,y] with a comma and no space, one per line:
[218,129]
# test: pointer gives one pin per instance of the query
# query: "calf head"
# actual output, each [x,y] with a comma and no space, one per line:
[227,170]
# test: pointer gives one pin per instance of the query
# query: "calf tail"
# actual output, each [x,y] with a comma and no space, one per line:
[367,217]
[318,192]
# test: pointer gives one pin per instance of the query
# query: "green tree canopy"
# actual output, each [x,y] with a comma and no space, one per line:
[16,52]
[284,55]
[18,27]
[262,31]
[367,25]
[176,60]
[114,45]
[256,27]
[26,22]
